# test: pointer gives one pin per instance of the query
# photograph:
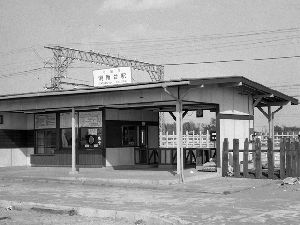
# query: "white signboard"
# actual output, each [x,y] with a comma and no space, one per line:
[113,76]
[45,121]
[90,119]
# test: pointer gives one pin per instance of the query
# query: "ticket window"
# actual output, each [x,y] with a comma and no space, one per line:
[129,136]
[90,138]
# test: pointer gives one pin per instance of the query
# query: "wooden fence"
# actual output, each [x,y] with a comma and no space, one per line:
[289,163]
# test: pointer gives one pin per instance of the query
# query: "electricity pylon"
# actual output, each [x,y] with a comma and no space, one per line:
[63,57]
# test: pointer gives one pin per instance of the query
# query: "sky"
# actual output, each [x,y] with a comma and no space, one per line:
[155,31]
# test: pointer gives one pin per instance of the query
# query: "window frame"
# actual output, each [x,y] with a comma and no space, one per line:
[36,145]
[135,144]
[90,147]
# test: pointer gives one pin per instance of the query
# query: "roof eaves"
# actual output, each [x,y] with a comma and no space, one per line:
[95,90]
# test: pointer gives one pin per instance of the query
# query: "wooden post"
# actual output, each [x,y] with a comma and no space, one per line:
[236,153]
[282,158]
[200,139]
[270,121]
[293,156]
[270,156]
[187,139]
[179,141]
[288,158]
[297,148]
[193,143]
[178,137]
[173,140]
[258,169]
[167,139]
[74,169]
[160,139]
[225,158]
[245,158]
[207,139]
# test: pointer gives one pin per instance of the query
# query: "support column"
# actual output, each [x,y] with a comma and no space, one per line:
[270,121]
[270,117]
[179,140]
[74,169]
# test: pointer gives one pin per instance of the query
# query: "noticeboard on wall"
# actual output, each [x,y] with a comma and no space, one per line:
[90,119]
[66,120]
[45,121]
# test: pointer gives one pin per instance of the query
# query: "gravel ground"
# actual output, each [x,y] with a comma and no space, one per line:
[29,217]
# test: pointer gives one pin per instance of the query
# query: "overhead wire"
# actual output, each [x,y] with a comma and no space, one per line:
[20,73]
[216,45]
[231,60]
[196,47]
[219,35]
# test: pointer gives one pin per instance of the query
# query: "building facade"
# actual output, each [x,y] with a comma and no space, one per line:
[119,125]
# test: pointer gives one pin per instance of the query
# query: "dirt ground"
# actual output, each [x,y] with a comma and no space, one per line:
[201,202]
[29,217]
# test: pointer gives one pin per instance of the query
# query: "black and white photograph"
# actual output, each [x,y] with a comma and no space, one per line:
[149,112]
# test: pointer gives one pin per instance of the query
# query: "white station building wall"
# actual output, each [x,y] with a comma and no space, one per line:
[232,107]
[16,156]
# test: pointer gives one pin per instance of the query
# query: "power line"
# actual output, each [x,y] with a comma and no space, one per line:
[192,37]
[232,60]
[287,86]
[20,50]
[189,47]
[69,78]
[21,72]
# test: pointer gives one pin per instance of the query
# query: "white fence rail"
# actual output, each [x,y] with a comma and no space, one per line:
[202,140]
[190,140]
[277,138]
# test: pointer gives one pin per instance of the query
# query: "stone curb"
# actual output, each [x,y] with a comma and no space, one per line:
[149,218]
[107,181]
[142,185]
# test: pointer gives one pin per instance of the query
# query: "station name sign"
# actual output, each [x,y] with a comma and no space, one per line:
[112,76]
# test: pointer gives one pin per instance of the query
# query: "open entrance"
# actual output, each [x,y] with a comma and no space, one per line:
[199,139]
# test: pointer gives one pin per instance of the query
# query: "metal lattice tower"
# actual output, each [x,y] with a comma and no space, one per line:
[63,57]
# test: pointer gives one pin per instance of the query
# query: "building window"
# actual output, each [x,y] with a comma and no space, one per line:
[45,141]
[66,138]
[90,137]
[129,135]
[1,119]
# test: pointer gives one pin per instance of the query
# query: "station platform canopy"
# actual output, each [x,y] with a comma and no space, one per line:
[160,96]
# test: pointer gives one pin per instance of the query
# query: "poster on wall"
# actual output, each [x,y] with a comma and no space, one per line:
[45,121]
[90,119]
[66,119]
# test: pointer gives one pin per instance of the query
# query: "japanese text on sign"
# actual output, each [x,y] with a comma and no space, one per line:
[113,76]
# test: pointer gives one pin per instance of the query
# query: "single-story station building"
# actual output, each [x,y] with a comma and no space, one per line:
[119,125]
